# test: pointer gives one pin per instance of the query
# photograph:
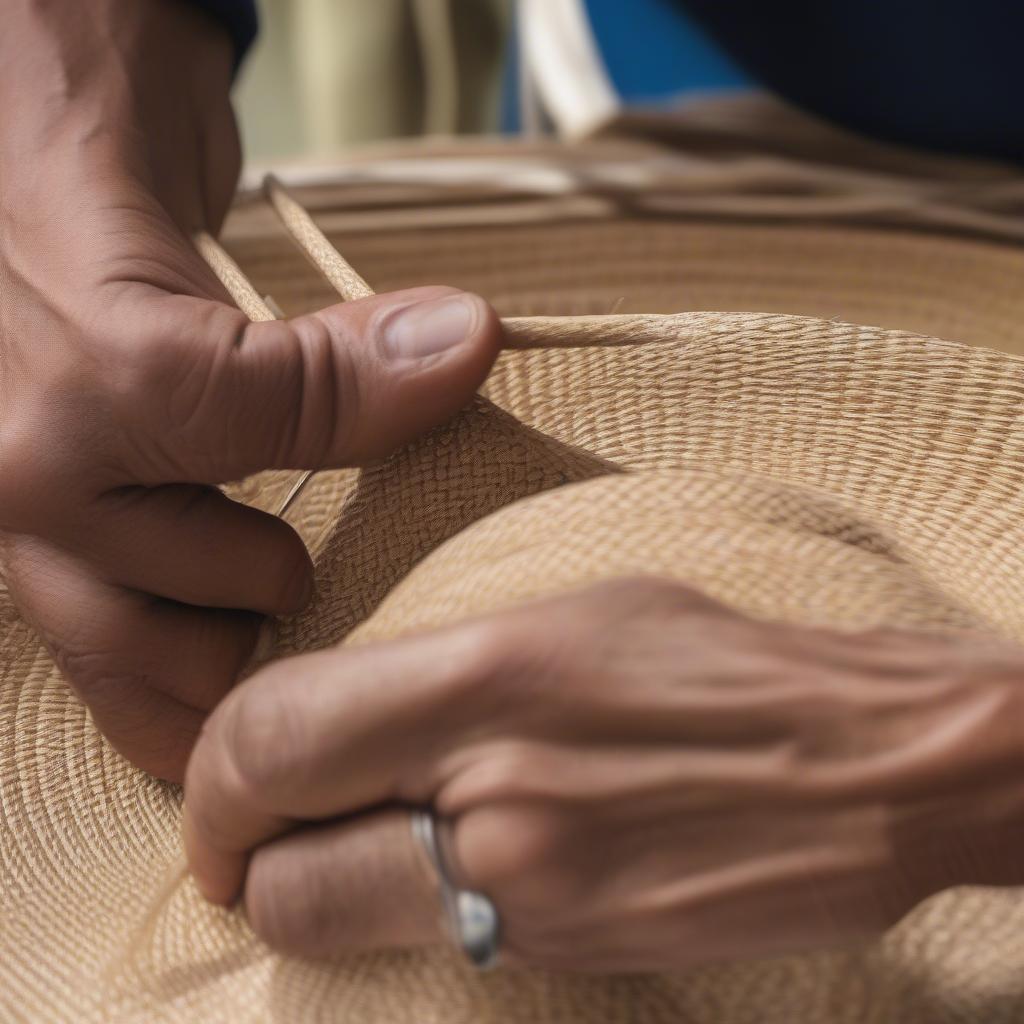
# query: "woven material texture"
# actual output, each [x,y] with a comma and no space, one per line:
[850,453]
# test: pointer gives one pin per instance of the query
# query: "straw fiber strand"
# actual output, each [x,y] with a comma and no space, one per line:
[796,467]
[963,291]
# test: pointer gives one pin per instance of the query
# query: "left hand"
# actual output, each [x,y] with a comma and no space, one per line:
[131,386]
[637,776]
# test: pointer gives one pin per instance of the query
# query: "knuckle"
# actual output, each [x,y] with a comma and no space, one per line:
[497,668]
[477,656]
[498,846]
[509,662]
[505,775]
[332,386]
[532,851]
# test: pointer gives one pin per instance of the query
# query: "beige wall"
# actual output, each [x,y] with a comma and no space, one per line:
[327,73]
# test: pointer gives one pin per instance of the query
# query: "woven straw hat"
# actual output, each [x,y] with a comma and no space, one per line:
[847,450]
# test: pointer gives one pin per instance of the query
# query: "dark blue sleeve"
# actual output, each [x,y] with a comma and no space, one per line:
[238,17]
[944,74]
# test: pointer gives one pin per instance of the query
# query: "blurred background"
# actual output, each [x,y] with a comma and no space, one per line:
[329,73]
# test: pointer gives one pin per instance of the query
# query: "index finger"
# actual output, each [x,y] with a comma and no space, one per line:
[324,735]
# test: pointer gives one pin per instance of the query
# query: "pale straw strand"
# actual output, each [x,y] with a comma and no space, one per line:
[520,332]
[314,243]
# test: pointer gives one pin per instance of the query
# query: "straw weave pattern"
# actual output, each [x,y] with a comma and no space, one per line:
[795,467]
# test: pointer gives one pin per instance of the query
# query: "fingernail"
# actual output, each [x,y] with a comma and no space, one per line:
[427,328]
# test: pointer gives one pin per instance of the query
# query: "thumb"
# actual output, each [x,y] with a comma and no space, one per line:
[342,386]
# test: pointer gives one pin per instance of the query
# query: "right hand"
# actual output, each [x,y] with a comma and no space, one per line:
[640,778]
[130,387]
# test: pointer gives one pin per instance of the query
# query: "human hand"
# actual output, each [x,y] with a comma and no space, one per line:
[638,777]
[129,386]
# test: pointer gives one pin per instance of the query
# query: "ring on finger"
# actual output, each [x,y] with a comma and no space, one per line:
[471,917]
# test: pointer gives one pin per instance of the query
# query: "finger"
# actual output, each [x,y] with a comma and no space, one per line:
[358,885]
[149,670]
[340,387]
[196,546]
[321,735]
[339,731]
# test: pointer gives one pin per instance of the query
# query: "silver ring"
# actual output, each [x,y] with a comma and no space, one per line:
[472,918]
